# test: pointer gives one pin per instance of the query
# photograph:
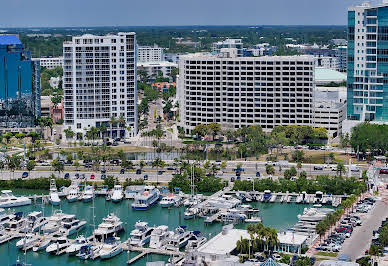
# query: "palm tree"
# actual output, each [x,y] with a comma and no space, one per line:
[242,245]
[112,121]
[272,238]
[158,163]
[103,131]
[341,169]
[121,121]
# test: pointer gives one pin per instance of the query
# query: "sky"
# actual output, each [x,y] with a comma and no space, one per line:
[78,13]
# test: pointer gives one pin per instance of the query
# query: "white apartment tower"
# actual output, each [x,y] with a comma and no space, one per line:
[242,91]
[150,54]
[100,83]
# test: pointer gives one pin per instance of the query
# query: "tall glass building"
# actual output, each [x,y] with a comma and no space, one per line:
[19,84]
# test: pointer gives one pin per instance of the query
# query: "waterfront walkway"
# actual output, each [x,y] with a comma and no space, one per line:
[144,251]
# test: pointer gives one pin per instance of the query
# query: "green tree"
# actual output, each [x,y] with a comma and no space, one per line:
[158,163]
[57,165]
[30,165]
[269,169]
[341,169]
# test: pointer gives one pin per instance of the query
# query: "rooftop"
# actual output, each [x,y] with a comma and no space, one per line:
[291,238]
[328,75]
[9,40]
[161,63]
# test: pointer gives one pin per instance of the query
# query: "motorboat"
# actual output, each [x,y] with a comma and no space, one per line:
[141,234]
[53,196]
[191,201]
[159,236]
[318,197]
[314,214]
[36,220]
[89,251]
[111,225]
[4,216]
[179,239]
[170,201]
[75,247]
[27,241]
[117,195]
[195,241]
[4,236]
[131,191]
[224,202]
[191,213]
[111,247]
[41,244]
[8,200]
[233,216]
[71,225]
[54,222]
[145,200]
[73,194]
[16,223]
[267,195]
[88,193]
[60,244]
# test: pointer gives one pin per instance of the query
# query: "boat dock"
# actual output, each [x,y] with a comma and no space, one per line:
[144,251]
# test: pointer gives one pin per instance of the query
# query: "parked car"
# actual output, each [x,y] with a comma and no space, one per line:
[257,174]
[171,168]
[232,179]
[160,172]
[122,171]
[25,175]
[138,171]
[103,176]
[145,177]
[66,176]
[318,168]
[92,176]
[384,171]
[103,171]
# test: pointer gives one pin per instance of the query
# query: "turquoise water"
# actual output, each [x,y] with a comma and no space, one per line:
[277,215]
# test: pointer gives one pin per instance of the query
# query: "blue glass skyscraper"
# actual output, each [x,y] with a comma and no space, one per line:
[19,84]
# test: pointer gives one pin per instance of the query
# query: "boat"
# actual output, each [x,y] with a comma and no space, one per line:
[73,194]
[36,220]
[131,191]
[178,239]
[141,234]
[111,225]
[318,197]
[108,197]
[317,205]
[16,223]
[27,241]
[75,247]
[8,200]
[170,201]
[59,245]
[145,200]
[53,196]
[111,247]
[191,213]
[233,216]
[117,195]
[88,193]
[5,216]
[71,225]
[314,214]
[54,222]
[159,236]
[41,244]
[195,241]
[89,251]
[267,195]
[4,236]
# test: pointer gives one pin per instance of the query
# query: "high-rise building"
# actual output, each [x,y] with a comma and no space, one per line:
[100,83]
[341,52]
[19,84]
[50,62]
[228,43]
[241,91]
[150,54]
[367,68]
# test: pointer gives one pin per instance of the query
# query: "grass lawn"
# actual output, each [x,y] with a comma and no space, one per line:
[124,148]
[327,254]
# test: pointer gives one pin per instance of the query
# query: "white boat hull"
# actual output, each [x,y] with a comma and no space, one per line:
[111,254]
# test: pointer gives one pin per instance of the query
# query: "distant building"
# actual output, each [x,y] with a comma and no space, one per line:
[163,86]
[54,82]
[172,57]
[99,83]
[339,42]
[342,53]
[261,49]
[50,62]
[19,85]
[228,43]
[368,63]
[326,62]
[154,68]
[48,109]
[150,54]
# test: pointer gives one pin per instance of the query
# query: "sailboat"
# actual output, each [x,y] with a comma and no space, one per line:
[192,200]
[54,197]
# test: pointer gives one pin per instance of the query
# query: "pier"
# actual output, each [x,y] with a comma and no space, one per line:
[144,251]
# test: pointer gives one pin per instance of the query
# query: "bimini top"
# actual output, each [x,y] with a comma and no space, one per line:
[9,39]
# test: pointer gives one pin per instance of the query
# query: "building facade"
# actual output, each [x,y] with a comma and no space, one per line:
[326,62]
[150,54]
[50,62]
[341,52]
[19,85]
[367,66]
[228,43]
[153,69]
[242,91]
[100,83]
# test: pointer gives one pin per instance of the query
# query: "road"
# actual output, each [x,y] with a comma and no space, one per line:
[361,238]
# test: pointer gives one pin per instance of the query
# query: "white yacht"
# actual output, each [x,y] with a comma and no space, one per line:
[195,241]
[110,248]
[117,195]
[41,244]
[193,200]
[75,247]
[318,197]
[179,239]
[314,214]
[54,197]
[73,194]
[27,241]
[4,216]
[141,234]
[131,191]
[233,216]
[111,225]
[145,200]
[170,201]
[89,251]
[54,222]
[58,245]
[191,213]
[71,225]
[4,235]
[88,193]
[36,220]
[16,223]
[8,200]
[159,236]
